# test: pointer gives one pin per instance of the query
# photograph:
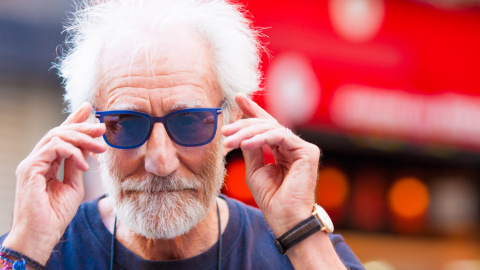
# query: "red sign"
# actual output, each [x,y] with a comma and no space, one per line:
[400,69]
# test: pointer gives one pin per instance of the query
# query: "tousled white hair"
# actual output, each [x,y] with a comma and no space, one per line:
[98,26]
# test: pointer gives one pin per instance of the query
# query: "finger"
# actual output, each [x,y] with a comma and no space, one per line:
[250,108]
[78,134]
[73,177]
[54,150]
[280,137]
[234,127]
[80,115]
[254,159]
[90,129]
[84,142]
[243,131]
[54,166]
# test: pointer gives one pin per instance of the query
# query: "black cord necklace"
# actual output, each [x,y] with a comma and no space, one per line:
[219,259]
[112,248]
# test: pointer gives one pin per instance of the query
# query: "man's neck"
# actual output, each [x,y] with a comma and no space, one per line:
[196,241]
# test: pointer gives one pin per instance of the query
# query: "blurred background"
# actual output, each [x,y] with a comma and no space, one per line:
[388,89]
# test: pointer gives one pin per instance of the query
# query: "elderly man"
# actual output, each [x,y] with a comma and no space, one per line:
[168,82]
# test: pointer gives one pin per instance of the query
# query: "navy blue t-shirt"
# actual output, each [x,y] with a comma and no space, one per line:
[247,243]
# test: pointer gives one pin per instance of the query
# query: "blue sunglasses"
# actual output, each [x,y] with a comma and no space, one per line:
[187,127]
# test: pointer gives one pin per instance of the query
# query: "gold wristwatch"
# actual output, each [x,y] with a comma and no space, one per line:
[319,221]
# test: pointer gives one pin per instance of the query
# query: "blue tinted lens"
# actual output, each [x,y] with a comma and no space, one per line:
[191,127]
[126,130]
[188,127]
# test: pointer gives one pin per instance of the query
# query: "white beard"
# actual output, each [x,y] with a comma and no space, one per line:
[148,209]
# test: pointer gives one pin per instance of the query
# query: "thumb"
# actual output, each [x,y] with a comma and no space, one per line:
[254,160]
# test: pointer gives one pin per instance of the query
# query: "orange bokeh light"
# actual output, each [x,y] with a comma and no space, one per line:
[408,198]
[332,188]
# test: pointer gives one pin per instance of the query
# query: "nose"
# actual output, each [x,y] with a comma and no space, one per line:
[161,157]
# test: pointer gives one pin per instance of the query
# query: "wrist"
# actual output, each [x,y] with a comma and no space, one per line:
[317,221]
[12,259]
[36,247]
[280,225]
[315,241]
[315,252]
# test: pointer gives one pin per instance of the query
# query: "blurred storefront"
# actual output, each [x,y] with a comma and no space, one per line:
[390,91]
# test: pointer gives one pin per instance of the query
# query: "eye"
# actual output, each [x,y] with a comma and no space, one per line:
[188,119]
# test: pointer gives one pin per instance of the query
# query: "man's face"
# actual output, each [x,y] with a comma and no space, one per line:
[161,189]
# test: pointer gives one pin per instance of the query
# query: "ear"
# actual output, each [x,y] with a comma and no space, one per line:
[235,115]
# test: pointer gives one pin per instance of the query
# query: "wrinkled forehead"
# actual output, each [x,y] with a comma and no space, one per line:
[177,58]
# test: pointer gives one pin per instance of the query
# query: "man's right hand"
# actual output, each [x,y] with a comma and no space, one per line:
[44,205]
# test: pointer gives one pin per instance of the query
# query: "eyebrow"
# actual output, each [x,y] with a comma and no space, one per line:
[123,106]
[182,104]
[191,103]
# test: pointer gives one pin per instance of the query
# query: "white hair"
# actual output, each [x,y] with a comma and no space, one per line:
[98,26]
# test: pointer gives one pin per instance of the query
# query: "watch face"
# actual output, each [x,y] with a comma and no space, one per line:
[324,218]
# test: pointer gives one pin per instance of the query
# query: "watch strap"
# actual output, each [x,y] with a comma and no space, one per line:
[298,233]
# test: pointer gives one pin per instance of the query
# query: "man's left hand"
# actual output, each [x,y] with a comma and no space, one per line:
[285,191]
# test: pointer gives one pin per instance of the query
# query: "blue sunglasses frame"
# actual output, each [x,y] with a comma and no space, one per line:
[163,119]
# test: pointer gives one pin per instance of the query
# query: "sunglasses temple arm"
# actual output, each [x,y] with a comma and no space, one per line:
[224,106]
[93,116]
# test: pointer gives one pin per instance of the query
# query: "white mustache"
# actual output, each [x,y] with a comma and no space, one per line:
[154,184]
